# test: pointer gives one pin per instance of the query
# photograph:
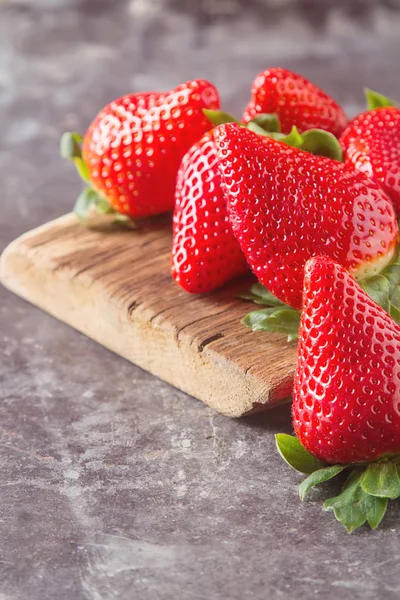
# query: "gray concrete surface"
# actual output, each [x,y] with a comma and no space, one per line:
[114,485]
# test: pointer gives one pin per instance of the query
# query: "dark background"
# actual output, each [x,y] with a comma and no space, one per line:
[113,485]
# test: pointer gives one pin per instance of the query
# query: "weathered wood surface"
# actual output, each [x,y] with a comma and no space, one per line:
[116,288]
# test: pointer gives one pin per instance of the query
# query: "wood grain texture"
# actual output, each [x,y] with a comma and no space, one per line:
[116,288]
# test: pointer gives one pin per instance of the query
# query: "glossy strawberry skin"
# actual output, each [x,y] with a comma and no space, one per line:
[371,144]
[205,253]
[296,101]
[286,205]
[134,146]
[346,401]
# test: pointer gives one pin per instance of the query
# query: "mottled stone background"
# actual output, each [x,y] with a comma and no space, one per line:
[113,485]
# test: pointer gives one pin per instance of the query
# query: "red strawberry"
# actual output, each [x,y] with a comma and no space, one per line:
[371,144]
[205,253]
[346,403]
[133,148]
[286,205]
[296,101]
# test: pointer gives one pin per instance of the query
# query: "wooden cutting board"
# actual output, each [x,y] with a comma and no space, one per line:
[115,287]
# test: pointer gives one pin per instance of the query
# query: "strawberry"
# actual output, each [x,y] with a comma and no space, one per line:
[371,144]
[346,399]
[286,205]
[205,253]
[132,150]
[296,101]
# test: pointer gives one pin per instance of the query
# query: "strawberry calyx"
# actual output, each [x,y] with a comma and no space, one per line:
[315,141]
[277,318]
[218,117]
[269,122]
[384,289]
[293,138]
[263,124]
[321,143]
[90,202]
[377,100]
[365,491]
[71,148]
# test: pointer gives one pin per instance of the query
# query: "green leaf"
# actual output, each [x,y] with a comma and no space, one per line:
[284,320]
[321,143]
[82,169]
[348,506]
[377,288]
[394,312]
[255,319]
[267,121]
[71,145]
[255,128]
[275,319]
[71,148]
[103,207]
[218,117]
[86,201]
[261,295]
[376,509]
[318,477]
[296,456]
[394,295]
[381,479]
[91,201]
[293,138]
[316,141]
[125,219]
[392,274]
[353,506]
[377,100]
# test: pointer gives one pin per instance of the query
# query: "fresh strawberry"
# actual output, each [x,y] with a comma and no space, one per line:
[371,144]
[205,253]
[296,101]
[346,400]
[286,205]
[132,150]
